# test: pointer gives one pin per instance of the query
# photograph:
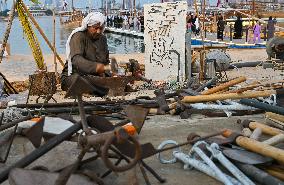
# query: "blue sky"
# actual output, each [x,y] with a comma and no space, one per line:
[84,3]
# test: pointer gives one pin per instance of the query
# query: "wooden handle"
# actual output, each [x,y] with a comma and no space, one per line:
[261,148]
[276,172]
[153,111]
[265,129]
[275,116]
[224,85]
[214,97]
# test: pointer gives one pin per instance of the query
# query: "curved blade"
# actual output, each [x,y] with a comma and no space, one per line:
[35,133]
[137,115]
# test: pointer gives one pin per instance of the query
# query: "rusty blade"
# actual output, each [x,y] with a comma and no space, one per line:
[116,85]
[137,115]
[85,84]
[35,133]
[100,123]
[246,157]
[6,140]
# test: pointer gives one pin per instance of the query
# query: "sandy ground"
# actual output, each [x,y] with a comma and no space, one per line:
[19,67]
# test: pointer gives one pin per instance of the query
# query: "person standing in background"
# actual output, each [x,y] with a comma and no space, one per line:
[238,28]
[220,27]
[270,28]
[256,32]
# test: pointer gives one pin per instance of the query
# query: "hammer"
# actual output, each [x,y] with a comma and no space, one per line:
[278,135]
[255,146]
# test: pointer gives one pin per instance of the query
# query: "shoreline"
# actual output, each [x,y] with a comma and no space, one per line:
[18,67]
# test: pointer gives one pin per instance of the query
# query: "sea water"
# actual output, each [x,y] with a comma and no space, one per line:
[118,44]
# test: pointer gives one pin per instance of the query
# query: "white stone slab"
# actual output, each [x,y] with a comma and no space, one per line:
[51,125]
[164,39]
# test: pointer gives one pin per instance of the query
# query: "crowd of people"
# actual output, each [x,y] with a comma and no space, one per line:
[192,23]
[126,22]
[254,31]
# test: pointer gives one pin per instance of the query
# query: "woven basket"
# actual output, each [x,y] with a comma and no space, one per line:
[43,83]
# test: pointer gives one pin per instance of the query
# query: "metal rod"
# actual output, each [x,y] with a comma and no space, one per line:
[258,175]
[83,115]
[1,117]
[189,142]
[263,106]
[207,84]
[69,104]
[28,159]
[12,89]
[54,42]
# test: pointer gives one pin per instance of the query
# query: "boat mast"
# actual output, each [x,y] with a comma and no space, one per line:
[106,8]
[134,8]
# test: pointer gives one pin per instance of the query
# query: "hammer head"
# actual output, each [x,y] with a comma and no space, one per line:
[161,100]
[245,123]
[114,66]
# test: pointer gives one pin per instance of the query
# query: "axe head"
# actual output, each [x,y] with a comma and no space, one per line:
[137,115]
[35,133]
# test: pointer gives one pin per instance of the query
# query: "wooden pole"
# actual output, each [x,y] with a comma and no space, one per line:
[275,171]
[253,7]
[272,115]
[215,97]
[134,8]
[54,43]
[106,8]
[8,30]
[42,34]
[224,86]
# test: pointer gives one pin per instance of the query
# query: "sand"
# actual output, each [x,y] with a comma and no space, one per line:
[19,67]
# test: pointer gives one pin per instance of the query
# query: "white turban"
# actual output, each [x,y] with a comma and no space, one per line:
[90,20]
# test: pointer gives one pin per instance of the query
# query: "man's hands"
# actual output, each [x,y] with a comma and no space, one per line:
[100,68]
[111,68]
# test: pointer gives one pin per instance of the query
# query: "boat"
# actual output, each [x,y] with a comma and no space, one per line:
[71,18]
[36,10]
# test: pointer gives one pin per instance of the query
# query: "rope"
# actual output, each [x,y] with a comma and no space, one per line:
[31,37]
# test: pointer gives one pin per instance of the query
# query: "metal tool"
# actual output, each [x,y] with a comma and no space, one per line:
[35,133]
[255,146]
[206,166]
[259,175]
[216,153]
[246,157]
